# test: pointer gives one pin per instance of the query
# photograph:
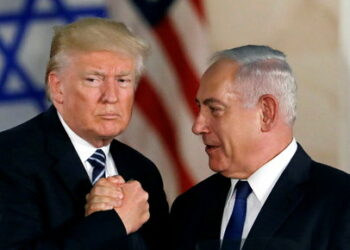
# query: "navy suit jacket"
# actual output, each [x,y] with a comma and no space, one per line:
[308,209]
[43,185]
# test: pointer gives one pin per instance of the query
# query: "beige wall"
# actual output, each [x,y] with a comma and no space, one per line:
[308,32]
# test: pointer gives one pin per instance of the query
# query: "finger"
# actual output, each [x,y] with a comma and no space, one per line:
[94,197]
[96,207]
[105,199]
[147,216]
[116,179]
[133,181]
[102,182]
[135,187]
[112,191]
[132,184]
[146,196]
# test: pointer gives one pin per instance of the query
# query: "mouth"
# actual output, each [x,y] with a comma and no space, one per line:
[109,116]
[210,148]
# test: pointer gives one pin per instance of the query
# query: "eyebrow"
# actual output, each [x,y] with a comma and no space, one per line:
[95,72]
[209,101]
[124,73]
[101,73]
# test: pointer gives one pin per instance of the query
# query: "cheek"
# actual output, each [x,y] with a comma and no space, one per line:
[235,133]
[87,96]
[127,99]
[82,103]
[247,133]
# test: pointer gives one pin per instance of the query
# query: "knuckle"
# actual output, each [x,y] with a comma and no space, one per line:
[94,199]
[102,181]
[119,194]
[99,183]
[93,207]
[96,189]
[146,196]
[136,184]
[102,190]
[120,178]
[146,217]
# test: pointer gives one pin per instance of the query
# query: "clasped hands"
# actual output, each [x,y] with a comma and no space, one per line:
[128,199]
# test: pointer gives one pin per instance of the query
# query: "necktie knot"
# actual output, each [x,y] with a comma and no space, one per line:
[98,163]
[243,190]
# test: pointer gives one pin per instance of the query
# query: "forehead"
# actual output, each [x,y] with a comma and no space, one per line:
[218,80]
[101,60]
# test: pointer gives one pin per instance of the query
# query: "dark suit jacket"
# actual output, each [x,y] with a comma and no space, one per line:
[308,208]
[43,186]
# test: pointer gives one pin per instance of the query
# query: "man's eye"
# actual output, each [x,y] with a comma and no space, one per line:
[124,82]
[215,110]
[93,80]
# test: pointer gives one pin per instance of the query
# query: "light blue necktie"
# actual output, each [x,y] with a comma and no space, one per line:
[98,162]
[234,229]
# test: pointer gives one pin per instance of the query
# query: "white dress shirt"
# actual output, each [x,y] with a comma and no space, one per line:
[261,182]
[84,150]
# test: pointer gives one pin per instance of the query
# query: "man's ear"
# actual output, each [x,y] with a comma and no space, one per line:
[269,109]
[55,87]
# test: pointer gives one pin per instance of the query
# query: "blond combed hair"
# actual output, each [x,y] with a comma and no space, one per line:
[95,34]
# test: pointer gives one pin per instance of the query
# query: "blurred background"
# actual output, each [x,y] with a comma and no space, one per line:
[314,34]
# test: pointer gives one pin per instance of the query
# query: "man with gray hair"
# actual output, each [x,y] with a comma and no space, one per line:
[267,192]
[65,182]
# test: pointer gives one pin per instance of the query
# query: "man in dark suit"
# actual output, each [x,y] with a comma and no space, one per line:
[65,182]
[267,194]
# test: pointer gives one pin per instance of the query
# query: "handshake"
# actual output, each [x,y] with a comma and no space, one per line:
[128,199]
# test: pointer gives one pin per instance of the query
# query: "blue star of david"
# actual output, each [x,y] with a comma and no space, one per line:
[23,19]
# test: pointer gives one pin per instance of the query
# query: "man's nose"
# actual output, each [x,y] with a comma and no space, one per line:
[110,91]
[200,125]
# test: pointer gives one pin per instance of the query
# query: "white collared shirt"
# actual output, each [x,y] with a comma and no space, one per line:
[262,183]
[84,150]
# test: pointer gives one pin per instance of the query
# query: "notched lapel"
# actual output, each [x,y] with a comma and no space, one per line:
[66,161]
[72,173]
[283,199]
[123,161]
[213,207]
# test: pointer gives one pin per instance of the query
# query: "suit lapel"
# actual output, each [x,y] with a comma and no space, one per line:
[284,197]
[213,204]
[123,161]
[66,162]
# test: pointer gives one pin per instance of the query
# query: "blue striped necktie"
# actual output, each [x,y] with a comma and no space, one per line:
[98,163]
[234,229]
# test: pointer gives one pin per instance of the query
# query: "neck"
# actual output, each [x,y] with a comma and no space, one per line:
[99,142]
[270,149]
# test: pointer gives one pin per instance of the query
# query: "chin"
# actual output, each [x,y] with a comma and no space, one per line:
[219,166]
[106,136]
[216,167]
[110,131]
[111,135]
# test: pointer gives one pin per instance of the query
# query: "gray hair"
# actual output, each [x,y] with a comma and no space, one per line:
[263,70]
[94,34]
